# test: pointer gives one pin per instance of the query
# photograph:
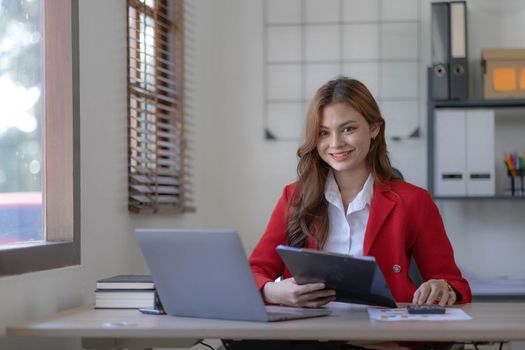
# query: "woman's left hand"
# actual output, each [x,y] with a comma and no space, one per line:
[434,290]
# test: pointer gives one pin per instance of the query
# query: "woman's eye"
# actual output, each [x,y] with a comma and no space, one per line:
[348,129]
[323,133]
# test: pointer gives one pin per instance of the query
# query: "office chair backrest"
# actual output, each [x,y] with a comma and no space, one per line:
[414,273]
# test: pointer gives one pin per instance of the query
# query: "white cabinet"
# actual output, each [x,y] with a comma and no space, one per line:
[480,145]
[464,152]
[450,154]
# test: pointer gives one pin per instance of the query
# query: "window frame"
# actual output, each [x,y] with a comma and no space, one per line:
[61,148]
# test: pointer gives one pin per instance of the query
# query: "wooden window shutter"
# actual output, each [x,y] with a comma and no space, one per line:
[158,178]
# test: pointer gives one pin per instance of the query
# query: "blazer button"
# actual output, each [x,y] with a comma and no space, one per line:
[396,268]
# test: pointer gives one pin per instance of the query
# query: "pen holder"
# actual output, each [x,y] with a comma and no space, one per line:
[516,187]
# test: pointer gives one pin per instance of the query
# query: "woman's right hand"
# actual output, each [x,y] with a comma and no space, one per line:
[288,292]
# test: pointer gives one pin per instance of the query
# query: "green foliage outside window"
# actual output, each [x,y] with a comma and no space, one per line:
[20,96]
[20,121]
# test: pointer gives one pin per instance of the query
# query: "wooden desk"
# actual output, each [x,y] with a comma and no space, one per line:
[129,328]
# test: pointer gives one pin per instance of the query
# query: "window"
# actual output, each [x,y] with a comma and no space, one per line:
[39,194]
[158,174]
[20,142]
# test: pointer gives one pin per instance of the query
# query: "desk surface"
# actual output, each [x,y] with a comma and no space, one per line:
[490,322]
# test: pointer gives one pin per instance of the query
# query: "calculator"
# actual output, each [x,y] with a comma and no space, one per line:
[417,309]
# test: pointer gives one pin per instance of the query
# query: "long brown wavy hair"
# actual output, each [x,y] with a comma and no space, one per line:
[308,216]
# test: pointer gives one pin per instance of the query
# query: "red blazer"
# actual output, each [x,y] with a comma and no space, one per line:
[403,221]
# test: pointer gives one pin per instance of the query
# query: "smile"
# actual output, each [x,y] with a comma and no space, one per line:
[340,156]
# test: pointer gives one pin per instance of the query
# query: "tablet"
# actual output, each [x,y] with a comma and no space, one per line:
[356,280]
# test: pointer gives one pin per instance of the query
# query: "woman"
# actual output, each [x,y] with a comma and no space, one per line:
[347,199]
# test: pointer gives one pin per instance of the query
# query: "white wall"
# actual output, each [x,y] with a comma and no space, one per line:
[238,175]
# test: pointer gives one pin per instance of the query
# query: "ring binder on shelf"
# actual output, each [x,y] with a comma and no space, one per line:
[451,153]
[458,51]
[440,51]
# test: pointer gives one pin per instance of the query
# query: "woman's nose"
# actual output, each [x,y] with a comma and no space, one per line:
[335,140]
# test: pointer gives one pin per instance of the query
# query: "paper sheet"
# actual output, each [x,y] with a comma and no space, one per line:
[401,314]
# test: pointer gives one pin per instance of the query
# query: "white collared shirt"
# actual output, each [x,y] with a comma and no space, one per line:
[346,232]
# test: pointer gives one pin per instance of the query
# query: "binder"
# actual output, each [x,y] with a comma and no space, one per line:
[440,51]
[450,161]
[480,153]
[458,51]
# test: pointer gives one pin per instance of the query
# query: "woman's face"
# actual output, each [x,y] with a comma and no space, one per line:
[344,138]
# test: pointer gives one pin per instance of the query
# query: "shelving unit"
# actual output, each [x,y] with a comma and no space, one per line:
[477,103]
[470,104]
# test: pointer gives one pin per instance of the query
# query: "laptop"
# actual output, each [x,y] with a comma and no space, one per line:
[205,273]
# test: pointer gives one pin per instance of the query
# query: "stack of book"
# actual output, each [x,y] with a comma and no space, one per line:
[125,292]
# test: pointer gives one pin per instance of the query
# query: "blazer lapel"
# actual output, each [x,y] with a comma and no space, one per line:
[379,209]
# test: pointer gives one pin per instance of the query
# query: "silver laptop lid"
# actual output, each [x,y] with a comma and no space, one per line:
[202,273]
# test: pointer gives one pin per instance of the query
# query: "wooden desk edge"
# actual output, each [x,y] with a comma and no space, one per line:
[490,326]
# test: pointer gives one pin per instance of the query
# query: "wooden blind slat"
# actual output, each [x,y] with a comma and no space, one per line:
[155,189]
[175,200]
[176,174]
[161,180]
[160,171]
[165,128]
[152,46]
[168,144]
[169,127]
[136,86]
[163,154]
[149,158]
[162,26]
[137,77]
[167,76]
[163,134]
[167,81]
[142,56]
[148,139]
[160,125]
[174,164]
[160,152]
[155,96]
[160,108]
[159,143]
[156,99]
